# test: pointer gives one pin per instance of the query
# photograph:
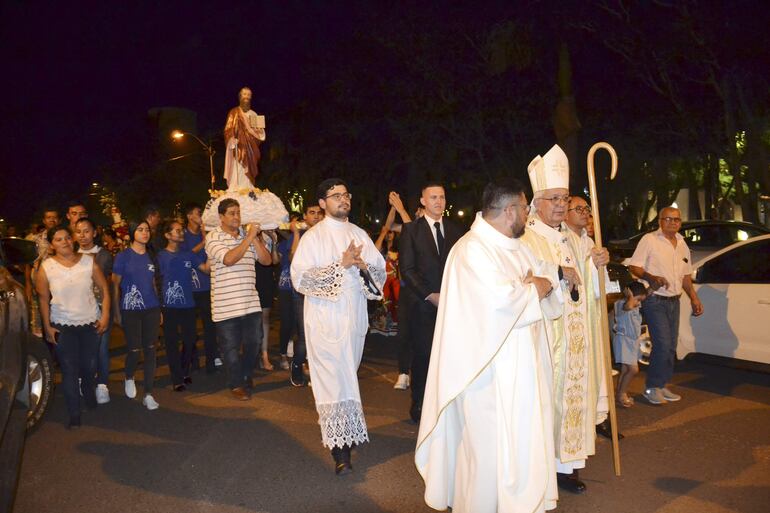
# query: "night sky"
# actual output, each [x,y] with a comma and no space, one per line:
[80,77]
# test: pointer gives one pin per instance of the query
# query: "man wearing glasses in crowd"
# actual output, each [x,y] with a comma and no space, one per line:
[579,388]
[337,268]
[662,259]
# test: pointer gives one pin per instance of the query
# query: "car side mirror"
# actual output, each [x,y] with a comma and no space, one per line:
[15,251]
[697,275]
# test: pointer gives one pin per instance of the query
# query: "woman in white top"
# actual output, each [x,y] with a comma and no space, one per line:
[71,318]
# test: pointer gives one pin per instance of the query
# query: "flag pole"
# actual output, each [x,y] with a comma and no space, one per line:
[605,341]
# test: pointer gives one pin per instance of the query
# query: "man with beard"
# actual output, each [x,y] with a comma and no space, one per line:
[485,442]
[244,132]
[580,393]
[337,268]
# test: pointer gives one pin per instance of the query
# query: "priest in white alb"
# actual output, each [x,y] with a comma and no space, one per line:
[485,443]
[337,268]
[580,395]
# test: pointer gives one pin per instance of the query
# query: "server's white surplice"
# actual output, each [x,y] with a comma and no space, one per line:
[336,323]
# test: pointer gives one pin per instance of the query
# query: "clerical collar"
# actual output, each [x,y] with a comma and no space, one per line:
[336,222]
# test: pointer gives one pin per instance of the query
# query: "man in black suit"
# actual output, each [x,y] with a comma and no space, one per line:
[423,248]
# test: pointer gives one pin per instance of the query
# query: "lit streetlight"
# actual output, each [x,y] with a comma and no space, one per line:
[178,135]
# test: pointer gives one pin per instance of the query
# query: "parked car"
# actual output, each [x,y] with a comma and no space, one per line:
[26,368]
[703,237]
[734,286]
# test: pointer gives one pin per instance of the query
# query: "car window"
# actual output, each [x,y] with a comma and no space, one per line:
[749,263]
[706,236]
[739,233]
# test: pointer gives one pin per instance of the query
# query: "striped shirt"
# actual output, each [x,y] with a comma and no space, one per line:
[233,287]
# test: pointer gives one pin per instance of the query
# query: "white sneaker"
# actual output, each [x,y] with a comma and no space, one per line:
[285,363]
[130,388]
[669,396]
[402,383]
[102,394]
[150,402]
[290,349]
[217,362]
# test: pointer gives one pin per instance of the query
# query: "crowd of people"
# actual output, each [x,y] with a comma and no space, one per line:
[499,332]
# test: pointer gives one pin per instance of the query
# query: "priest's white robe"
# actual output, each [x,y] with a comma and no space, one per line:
[485,441]
[336,323]
[575,384]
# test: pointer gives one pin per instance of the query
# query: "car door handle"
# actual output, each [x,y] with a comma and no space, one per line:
[764,301]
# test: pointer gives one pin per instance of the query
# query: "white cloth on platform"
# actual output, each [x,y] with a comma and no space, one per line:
[485,442]
[336,323]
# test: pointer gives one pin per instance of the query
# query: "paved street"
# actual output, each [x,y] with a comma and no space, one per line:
[205,452]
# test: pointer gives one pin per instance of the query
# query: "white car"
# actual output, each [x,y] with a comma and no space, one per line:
[734,286]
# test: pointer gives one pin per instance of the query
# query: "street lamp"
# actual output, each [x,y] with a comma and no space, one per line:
[178,135]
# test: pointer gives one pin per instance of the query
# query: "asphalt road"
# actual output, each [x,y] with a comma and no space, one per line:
[205,452]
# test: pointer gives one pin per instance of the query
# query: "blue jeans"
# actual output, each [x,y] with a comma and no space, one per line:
[76,351]
[103,359]
[232,334]
[662,318]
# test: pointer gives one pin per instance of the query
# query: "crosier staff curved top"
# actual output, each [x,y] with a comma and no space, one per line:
[603,294]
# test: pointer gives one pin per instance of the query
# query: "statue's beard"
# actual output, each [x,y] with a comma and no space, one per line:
[245,106]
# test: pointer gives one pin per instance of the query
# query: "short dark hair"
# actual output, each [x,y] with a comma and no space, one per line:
[431,183]
[308,206]
[637,288]
[188,208]
[75,203]
[225,204]
[497,193]
[86,220]
[52,231]
[50,208]
[328,185]
[149,209]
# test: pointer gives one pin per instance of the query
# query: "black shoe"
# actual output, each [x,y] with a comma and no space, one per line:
[297,381]
[570,482]
[342,463]
[187,380]
[605,429]
[74,424]
[179,388]
[415,412]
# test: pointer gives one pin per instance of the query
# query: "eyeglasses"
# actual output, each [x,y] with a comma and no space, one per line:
[340,196]
[580,210]
[672,219]
[526,208]
[558,199]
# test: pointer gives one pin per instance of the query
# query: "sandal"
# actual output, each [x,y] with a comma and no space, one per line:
[625,401]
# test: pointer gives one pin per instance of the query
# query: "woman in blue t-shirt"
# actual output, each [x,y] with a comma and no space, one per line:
[177,268]
[136,277]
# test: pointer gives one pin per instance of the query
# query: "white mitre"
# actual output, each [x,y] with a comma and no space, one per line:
[550,171]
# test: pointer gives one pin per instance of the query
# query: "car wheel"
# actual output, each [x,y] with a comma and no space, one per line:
[40,377]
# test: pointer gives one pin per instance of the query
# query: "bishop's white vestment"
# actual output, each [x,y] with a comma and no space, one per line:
[485,441]
[336,323]
[577,382]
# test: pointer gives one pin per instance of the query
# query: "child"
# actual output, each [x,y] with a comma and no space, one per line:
[628,327]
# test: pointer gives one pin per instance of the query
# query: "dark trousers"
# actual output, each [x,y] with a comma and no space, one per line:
[662,318]
[422,321]
[404,341]
[76,351]
[179,323]
[292,307]
[236,333]
[141,328]
[203,308]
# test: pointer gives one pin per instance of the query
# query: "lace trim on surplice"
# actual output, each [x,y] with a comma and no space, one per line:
[378,275]
[342,423]
[323,282]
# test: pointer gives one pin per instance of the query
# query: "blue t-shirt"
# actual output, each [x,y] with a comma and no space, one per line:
[137,272]
[284,247]
[176,270]
[203,282]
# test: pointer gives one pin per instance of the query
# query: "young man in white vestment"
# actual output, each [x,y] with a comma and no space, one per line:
[580,392]
[485,443]
[337,268]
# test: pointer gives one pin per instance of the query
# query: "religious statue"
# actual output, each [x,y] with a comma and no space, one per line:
[244,132]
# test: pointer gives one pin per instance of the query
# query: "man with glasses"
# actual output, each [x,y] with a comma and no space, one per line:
[487,418]
[580,392]
[662,259]
[337,268]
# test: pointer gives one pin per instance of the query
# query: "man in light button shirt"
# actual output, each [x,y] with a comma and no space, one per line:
[663,260]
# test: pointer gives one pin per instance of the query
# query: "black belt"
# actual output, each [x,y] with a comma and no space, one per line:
[668,298]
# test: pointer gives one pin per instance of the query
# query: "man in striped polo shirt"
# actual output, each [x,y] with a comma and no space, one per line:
[235,306]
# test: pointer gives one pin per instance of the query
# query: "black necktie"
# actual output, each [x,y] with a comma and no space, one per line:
[439,238]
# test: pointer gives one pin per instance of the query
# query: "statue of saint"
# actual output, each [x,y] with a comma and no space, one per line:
[244,132]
